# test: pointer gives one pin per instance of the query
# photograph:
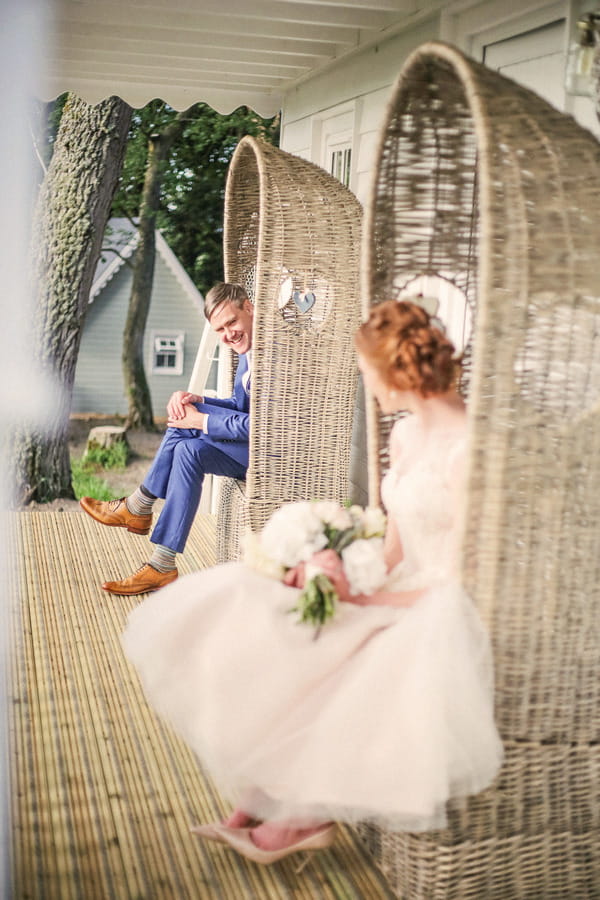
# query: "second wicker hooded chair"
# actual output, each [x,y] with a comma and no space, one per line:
[481,183]
[292,238]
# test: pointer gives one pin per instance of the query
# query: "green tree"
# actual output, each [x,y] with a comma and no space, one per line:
[132,357]
[70,217]
[190,212]
[174,178]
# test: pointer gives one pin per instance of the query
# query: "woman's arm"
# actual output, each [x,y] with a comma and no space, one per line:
[392,545]
[386,598]
[393,554]
[330,563]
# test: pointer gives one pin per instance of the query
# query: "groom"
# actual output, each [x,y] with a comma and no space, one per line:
[202,437]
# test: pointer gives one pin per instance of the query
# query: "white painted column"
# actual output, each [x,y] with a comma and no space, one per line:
[21,394]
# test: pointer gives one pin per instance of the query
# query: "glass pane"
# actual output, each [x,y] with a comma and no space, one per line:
[340,165]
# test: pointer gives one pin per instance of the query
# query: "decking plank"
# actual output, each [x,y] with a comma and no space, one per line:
[103,792]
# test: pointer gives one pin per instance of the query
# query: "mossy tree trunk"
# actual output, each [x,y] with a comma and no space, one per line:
[139,414]
[70,218]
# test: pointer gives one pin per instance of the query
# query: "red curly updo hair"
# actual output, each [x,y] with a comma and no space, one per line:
[407,349]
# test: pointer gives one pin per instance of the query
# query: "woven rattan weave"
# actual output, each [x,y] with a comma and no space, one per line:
[292,237]
[484,183]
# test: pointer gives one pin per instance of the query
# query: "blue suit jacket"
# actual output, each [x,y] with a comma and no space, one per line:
[229,418]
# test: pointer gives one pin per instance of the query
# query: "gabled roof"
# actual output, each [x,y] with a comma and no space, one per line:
[119,245]
[120,241]
[225,52]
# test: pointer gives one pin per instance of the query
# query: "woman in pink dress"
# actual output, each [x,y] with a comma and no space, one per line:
[390,712]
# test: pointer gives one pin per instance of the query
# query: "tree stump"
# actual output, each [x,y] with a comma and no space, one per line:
[104,437]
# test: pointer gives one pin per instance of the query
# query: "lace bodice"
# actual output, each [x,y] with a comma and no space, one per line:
[423,493]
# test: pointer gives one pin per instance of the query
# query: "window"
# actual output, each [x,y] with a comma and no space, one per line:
[340,164]
[333,137]
[167,354]
[210,388]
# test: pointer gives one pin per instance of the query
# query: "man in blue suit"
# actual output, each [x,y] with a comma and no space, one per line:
[203,436]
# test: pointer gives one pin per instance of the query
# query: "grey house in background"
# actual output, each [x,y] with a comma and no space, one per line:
[173,331]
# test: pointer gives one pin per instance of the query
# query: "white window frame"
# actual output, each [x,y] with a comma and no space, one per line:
[341,152]
[333,131]
[215,358]
[178,339]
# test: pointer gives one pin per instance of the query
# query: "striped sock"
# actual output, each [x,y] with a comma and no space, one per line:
[163,558]
[139,503]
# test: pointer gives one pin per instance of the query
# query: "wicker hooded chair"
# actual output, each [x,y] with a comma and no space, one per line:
[292,238]
[482,182]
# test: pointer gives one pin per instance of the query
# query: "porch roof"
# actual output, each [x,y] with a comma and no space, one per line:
[226,53]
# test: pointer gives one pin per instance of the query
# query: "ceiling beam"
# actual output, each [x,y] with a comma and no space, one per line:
[77,64]
[233,13]
[145,74]
[189,45]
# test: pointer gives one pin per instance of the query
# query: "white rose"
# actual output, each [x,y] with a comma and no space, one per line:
[331,513]
[364,565]
[293,533]
[311,570]
[356,513]
[255,557]
[373,522]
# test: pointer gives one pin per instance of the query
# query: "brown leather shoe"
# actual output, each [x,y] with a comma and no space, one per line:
[145,580]
[115,512]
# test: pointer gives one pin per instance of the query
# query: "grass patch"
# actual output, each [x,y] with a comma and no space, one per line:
[115,457]
[86,482]
[86,473]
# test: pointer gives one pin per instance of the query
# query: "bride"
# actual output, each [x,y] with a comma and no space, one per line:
[390,712]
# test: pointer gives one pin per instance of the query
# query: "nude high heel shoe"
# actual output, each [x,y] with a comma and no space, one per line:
[210,832]
[216,831]
[240,839]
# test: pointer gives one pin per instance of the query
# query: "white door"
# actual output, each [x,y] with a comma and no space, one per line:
[537,60]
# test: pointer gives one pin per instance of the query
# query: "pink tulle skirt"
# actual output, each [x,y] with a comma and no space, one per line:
[384,717]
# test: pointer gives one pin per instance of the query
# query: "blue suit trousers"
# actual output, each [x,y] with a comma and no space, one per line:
[177,474]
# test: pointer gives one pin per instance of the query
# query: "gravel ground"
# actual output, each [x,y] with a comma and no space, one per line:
[143,445]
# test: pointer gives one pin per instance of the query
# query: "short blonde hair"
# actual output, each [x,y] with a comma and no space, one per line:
[224,292]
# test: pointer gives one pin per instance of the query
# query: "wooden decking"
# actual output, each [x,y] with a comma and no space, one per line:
[103,793]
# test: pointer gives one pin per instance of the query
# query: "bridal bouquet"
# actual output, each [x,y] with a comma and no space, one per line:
[297,532]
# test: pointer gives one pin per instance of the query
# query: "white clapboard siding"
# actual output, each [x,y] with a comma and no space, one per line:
[175,308]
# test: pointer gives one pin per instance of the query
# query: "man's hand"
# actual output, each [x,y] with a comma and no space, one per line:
[191,419]
[179,403]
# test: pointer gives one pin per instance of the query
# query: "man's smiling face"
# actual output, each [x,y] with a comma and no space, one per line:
[234,325]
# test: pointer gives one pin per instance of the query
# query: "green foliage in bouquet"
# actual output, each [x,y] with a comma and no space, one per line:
[297,532]
[317,602]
